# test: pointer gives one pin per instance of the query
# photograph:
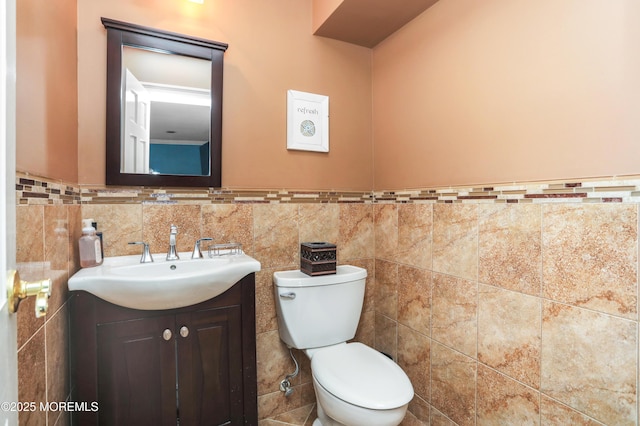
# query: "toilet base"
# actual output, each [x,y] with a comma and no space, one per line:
[323,419]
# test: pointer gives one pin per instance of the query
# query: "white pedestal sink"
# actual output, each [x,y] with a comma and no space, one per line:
[124,281]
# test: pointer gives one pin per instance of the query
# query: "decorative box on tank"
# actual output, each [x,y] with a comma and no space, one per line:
[318,258]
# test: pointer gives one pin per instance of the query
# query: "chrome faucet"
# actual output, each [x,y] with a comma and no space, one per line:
[172,254]
[197,253]
[146,255]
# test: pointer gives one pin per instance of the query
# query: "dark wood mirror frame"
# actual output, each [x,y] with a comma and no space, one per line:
[121,34]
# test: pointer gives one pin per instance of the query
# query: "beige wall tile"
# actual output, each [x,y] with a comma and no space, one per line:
[356,239]
[266,319]
[307,396]
[509,246]
[228,223]
[503,401]
[275,230]
[366,332]
[157,221]
[415,223]
[590,256]
[454,313]
[59,290]
[56,237]
[420,410]
[386,336]
[27,322]
[304,376]
[57,350]
[272,360]
[386,289]
[46,248]
[30,256]
[386,230]
[274,403]
[30,234]
[319,222]
[587,249]
[32,380]
[555,413]
[509,333]
[369,291]
[366,327]
[455,240]
[75,232]
[439,419]
[414,358]
[411,420]
[293,417]
[588,361]
[122,224]
[453,384]
[414,298]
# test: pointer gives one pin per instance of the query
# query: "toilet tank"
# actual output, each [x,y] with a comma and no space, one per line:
[320,310]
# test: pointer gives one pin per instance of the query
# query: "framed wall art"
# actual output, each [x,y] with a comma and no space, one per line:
[307,121]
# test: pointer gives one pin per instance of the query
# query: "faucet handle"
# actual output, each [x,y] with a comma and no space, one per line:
[197,253]
[146,254]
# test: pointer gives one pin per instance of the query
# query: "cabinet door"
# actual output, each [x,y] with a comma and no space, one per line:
[210,372]
[137,372]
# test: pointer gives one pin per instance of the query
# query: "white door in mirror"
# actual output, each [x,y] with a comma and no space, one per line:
[135,147]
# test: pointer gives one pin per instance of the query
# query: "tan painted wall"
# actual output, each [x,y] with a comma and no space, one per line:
[46,100]
[271,50]
[501,91]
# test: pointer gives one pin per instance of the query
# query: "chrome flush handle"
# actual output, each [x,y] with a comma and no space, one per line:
[291,295]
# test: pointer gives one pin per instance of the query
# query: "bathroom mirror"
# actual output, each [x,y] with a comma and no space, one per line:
[164,107]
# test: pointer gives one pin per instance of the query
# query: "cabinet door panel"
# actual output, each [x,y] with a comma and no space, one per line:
[137,372]
[210,367]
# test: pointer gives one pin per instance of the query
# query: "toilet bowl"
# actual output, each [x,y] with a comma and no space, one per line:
[355,385]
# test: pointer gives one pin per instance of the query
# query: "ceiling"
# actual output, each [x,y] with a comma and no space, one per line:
[368,22]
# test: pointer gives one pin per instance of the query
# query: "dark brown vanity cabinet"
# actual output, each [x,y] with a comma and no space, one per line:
[187,366]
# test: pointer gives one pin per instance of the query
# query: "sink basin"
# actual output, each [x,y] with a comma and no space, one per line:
[163,284]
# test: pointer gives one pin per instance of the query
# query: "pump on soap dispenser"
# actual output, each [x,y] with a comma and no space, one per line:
[89,246]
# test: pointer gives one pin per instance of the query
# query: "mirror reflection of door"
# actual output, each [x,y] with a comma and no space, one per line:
[179,113]
[135,141]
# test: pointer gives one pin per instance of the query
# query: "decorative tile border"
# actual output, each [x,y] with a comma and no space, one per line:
[607,190]
[37,190]
[218,196]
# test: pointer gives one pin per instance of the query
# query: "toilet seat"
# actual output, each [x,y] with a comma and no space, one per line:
[361,376]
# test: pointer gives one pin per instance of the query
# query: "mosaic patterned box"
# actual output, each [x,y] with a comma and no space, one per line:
[318,258]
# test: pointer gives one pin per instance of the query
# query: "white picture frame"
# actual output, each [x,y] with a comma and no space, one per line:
[307,121]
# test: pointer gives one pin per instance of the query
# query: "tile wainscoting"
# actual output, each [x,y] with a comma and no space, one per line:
[508,304]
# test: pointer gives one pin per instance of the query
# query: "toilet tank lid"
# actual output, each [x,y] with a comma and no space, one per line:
[296,278]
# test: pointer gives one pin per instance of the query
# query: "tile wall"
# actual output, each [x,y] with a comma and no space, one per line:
[505,305]
[511,313]
[46,248]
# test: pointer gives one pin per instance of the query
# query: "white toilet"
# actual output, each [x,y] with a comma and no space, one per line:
[355,385]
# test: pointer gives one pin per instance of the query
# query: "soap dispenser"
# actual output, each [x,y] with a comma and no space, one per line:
[89,246]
